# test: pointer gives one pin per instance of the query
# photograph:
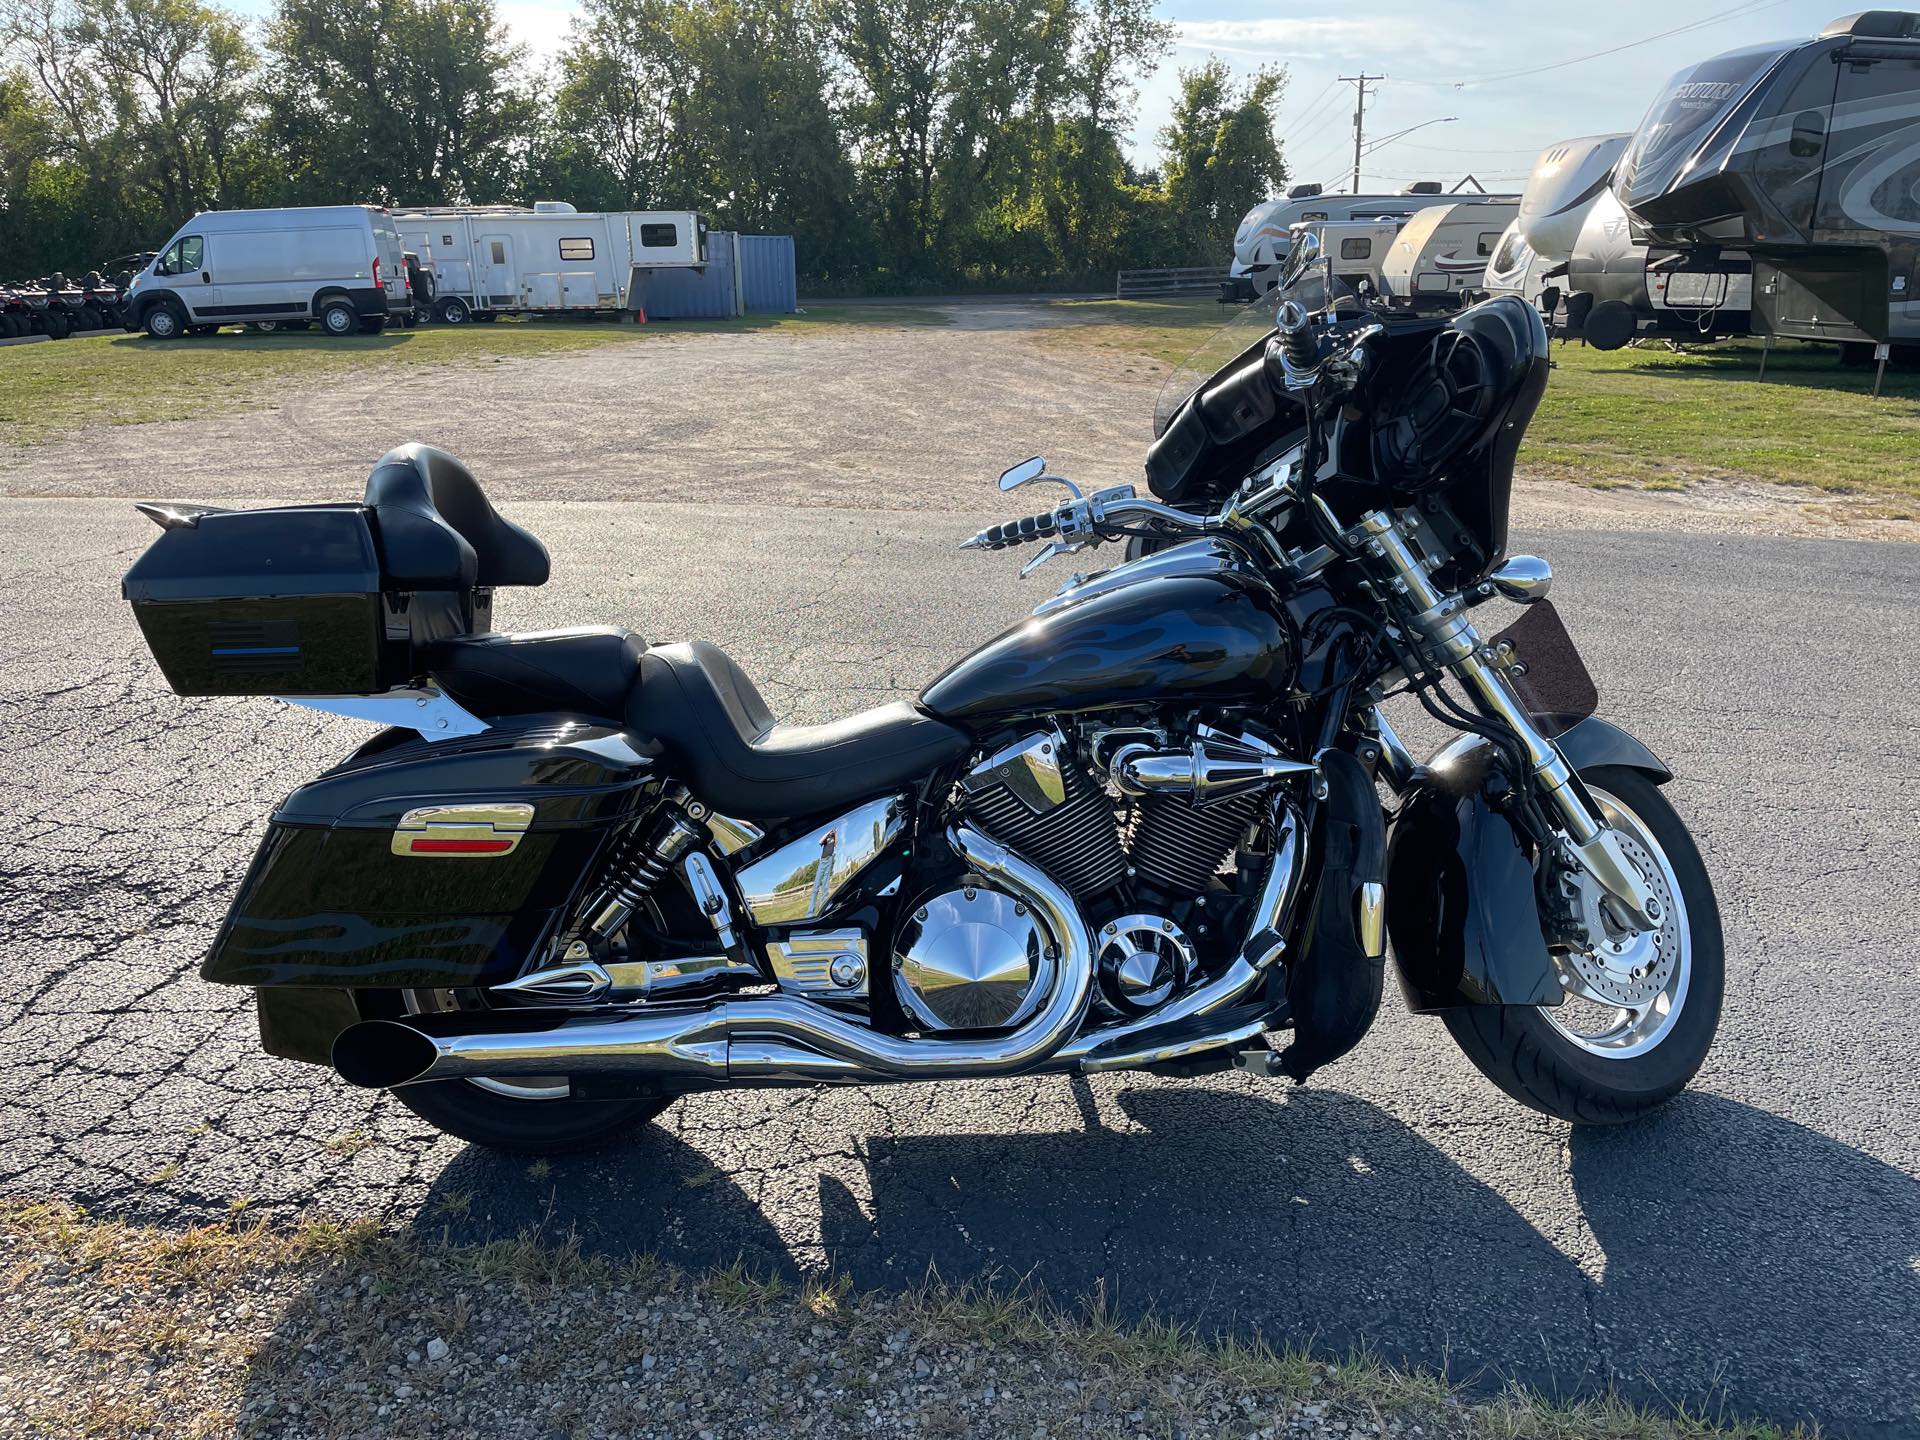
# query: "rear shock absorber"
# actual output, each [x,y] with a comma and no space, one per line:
[636,868]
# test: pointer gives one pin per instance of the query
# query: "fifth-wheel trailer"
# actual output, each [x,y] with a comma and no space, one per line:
[490,260]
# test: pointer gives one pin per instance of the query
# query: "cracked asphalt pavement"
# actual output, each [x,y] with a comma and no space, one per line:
[1756,1245]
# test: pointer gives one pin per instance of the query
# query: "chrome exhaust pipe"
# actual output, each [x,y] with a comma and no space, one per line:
[767,1039]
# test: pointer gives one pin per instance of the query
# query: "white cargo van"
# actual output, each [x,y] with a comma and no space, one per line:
[491,260]
[338,266]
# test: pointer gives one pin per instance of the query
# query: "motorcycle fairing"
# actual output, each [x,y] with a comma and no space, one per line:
[1462,908]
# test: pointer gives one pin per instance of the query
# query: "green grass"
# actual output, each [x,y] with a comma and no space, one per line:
[60,388]
[1647,416]
[154,1291]
[1651,417]
[1165,330]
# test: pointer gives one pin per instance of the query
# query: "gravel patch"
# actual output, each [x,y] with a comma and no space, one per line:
[319,1331]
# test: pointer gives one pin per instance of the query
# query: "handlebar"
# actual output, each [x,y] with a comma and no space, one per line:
[1016,532]
[1077,521]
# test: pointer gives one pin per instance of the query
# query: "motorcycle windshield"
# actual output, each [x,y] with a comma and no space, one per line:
[1306,284]
[1250,325]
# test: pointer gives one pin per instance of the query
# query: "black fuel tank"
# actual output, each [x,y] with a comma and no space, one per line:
[1201,639]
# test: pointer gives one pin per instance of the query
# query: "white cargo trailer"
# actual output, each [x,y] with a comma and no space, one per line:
[490,260]
[1442,253]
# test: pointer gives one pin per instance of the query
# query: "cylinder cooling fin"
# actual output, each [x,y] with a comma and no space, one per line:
[1035,798]
[1179,845]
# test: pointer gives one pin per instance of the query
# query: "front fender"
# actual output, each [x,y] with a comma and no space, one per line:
[1596,742]
[1462,908]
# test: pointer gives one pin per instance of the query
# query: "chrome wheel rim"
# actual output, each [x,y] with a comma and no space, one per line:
[521,1087]
[1625,995]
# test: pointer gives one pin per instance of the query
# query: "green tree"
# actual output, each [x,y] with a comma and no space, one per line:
[1220,152]
[621,106]
[396,101]
[763,151]
[150,99]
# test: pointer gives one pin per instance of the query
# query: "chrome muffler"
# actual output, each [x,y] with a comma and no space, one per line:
[783,1039]
[765,1039]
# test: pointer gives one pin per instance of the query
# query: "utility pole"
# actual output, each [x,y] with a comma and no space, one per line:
[1359,83]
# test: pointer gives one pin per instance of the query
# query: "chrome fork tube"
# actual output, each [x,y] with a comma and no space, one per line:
[1440,622]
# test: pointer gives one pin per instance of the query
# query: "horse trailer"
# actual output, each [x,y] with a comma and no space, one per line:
[492,260]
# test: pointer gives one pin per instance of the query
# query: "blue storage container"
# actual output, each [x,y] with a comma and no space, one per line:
[769,283]
[712,294]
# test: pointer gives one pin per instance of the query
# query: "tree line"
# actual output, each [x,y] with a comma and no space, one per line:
[905,144]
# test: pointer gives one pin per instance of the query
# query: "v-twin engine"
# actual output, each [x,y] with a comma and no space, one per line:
[1190,808]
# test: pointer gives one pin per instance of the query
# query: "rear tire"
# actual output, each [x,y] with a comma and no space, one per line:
[513,1116]
[338,318]
[1544,1059]
[453,311]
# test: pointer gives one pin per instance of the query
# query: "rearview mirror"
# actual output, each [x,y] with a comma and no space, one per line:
[1025,473]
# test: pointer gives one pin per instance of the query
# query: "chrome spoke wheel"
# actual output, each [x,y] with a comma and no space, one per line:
[1625,993]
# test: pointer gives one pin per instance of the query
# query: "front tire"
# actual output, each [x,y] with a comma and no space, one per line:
[163,323]
[521,1116]
[1592,1063]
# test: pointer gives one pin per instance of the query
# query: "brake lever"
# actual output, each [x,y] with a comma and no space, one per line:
[1053,548]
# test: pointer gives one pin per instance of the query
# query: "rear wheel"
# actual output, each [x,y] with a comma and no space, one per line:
[338,318]
[528,1115]
[453,311]
[1641,1009]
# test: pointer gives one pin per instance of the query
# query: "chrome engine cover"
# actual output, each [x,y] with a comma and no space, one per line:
[972,959]
[1140,962]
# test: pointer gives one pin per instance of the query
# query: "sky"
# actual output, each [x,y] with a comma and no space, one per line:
[1425,48]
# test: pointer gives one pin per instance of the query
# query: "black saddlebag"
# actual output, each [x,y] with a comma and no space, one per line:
[431,865]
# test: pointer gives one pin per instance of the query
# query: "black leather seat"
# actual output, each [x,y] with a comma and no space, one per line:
[589,671]
[437,531]
[722,738]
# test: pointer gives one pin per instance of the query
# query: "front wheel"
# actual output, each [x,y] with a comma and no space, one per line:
[1641,1010]
[526,1115]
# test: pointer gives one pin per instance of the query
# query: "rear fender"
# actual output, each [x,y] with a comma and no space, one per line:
[1462,908]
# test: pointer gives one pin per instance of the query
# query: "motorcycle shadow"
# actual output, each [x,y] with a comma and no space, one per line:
[1736,1257]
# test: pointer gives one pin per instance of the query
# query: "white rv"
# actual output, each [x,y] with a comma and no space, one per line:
[1575,253]
[338,265]
[1443,252]
[1260,244]
[1356,248]
[496,260]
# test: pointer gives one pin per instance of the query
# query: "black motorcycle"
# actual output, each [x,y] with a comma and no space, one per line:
[581,875]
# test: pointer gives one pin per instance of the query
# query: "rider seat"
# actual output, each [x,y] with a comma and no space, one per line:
[701,705]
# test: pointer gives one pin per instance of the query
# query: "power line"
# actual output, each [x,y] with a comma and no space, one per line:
[1472,149]
[1748,7]
[1313,105]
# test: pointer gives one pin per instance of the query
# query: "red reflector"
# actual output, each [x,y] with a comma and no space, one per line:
[460,847]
